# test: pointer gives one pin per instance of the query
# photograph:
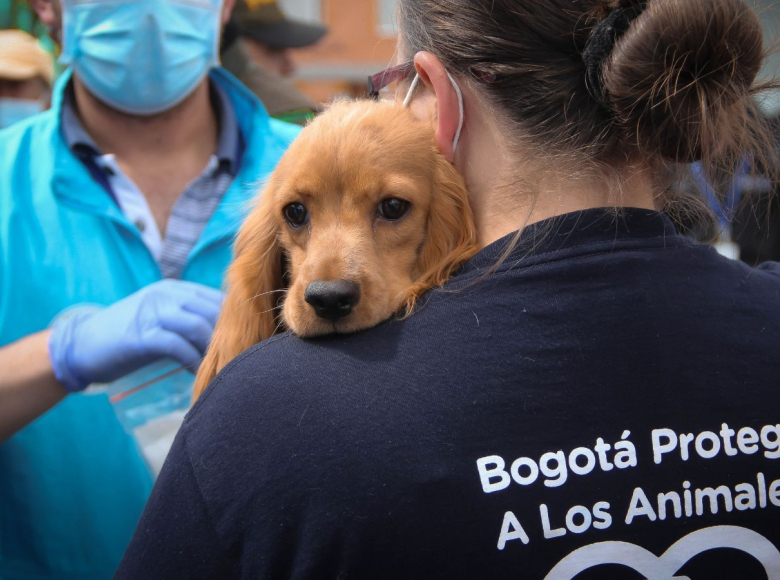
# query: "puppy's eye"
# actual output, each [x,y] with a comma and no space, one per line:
[296,215]
[394,209]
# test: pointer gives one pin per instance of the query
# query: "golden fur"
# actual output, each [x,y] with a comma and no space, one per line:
[341,167]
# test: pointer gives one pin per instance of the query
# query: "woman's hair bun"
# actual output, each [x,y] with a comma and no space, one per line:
[680,81]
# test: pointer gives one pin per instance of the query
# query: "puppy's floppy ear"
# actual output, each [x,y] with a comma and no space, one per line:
[254,290]
[451,238]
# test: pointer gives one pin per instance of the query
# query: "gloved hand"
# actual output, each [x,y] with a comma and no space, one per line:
[170,318]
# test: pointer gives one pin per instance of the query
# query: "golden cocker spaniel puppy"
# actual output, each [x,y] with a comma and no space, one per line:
[361,217]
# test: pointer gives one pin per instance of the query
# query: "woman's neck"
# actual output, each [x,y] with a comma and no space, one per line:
[509,191]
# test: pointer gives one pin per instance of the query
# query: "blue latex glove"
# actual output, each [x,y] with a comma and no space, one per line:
[170,318]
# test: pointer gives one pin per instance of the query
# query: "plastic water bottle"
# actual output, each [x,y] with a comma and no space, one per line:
[150,403]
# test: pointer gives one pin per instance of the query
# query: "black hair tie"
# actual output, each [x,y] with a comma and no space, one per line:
[601,44]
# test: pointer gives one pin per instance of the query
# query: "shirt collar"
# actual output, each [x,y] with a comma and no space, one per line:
[229,144]
[76,137]
[606,226]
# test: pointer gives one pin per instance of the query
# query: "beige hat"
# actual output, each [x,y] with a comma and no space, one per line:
[22,58]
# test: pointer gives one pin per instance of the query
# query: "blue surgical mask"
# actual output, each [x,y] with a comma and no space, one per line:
[141,57]
[14,110]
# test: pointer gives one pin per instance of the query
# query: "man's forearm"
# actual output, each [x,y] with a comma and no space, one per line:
[28,387]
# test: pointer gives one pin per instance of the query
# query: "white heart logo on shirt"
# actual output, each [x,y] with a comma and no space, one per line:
[664,567]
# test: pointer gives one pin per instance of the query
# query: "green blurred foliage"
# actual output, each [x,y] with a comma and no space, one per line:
[19,15]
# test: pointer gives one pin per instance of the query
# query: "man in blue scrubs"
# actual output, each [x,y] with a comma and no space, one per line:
[126,195]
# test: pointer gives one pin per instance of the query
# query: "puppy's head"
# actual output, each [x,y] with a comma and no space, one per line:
[361,217]
[365,207]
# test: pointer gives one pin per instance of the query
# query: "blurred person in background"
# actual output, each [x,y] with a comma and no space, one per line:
[756,220]
[745,206]
[257,48]
[26,73]
[126,195]
[271,37]
[756,224]
[745,211]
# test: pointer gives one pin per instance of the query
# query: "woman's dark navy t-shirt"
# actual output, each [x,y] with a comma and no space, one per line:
[604,405]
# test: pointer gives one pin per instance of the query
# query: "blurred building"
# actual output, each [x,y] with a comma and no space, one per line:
[360,42]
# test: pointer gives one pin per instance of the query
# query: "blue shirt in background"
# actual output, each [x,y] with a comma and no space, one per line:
[72,484]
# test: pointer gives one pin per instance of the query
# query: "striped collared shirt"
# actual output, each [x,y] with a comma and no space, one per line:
[194,207]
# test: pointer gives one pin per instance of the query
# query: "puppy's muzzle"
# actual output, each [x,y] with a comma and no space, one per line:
[333,300]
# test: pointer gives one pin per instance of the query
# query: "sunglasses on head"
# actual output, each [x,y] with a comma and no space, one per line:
[385,78]
[397,73]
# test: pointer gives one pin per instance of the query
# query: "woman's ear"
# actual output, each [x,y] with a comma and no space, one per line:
[451,237]
[442,106]
[254,291]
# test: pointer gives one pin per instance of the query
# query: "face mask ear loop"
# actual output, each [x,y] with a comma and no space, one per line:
[410,94]
[461,110]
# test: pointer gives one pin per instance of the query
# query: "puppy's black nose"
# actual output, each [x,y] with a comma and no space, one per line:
[333,300]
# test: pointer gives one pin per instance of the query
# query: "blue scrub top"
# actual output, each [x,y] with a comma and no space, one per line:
[72,484]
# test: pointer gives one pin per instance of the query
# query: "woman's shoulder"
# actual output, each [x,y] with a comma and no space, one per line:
[517,318]
[287,368]
[771,270]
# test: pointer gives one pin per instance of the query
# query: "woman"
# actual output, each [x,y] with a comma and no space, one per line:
[592,397]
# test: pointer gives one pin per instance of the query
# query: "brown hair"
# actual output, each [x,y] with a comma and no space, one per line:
[675,84]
